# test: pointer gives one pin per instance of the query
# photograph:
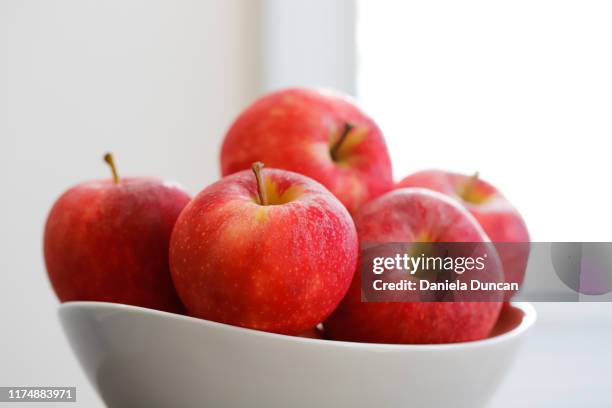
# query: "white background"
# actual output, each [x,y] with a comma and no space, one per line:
[157,82]
[520,91]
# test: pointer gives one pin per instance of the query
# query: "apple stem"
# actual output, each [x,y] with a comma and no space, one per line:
[336,147]
[261,189]
[469,186]
[108,158]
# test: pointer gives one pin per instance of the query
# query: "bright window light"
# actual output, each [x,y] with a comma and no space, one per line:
[520,91]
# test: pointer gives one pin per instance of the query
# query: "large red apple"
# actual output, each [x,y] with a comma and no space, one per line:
[320,134]
[276,254]
[413,215]
[107,240]
[500,220]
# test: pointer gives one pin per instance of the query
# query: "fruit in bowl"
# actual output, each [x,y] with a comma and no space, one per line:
[263,253]
[107,240]
[497,216]
[270,249]
[318,133]
[414,215]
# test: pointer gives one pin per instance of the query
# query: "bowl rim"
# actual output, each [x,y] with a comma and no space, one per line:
[527,322]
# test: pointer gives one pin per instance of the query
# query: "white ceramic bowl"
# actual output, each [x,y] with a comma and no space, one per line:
[138,357]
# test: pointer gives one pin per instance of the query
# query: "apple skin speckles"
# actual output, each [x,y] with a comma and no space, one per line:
[405,215]
[295,129]
[499,219]
[108,242]
[282,267]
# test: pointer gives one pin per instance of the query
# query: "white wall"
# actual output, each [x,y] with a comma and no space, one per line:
[156,82]
[309,43]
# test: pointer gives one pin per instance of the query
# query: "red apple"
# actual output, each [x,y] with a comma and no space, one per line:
[500,220]
[320,134]
[108,240]
[276,254]
[413,215]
